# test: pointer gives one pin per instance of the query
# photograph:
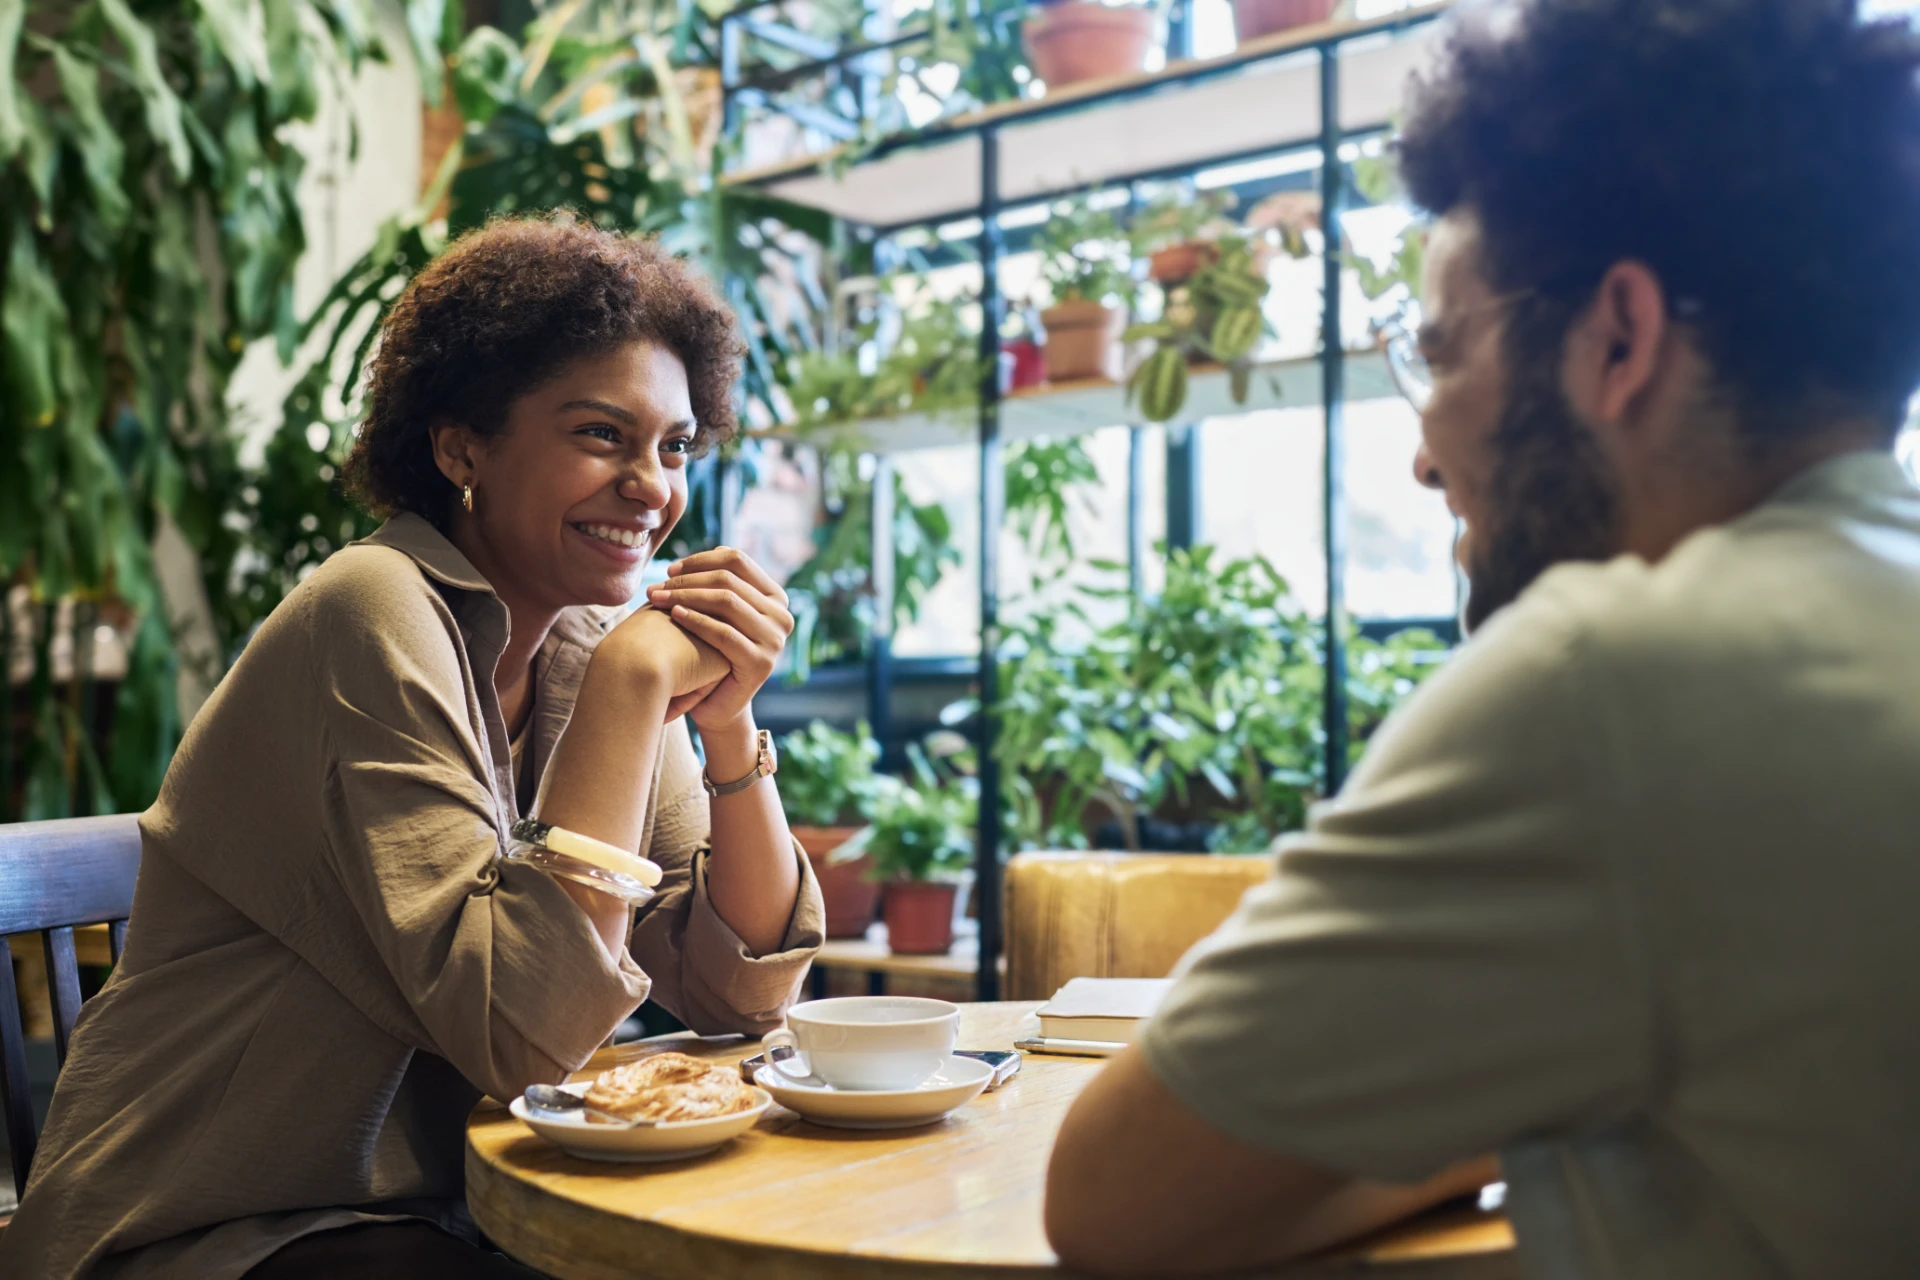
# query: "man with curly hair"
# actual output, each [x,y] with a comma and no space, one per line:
[1623,896]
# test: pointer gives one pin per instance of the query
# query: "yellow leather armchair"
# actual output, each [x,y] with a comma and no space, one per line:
[1114,915]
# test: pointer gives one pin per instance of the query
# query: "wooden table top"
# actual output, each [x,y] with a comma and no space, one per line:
[959,1200]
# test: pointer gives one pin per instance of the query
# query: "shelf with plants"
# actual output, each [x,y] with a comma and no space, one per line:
[1266,736]
[1054,411]
[1261,98]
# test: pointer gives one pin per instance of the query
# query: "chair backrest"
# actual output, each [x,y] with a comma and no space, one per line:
[1114,915]
[53,876]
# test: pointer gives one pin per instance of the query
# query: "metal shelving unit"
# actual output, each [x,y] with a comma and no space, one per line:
[1313,88]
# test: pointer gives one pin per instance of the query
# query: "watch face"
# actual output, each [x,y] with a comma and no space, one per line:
[769,758]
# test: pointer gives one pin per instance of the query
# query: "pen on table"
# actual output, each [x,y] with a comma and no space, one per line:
[1071,1048]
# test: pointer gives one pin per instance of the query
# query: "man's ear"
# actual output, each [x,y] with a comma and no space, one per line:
[453,451]
[1613,349]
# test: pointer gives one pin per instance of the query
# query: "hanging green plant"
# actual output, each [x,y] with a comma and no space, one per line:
[1215,315]
[149,230]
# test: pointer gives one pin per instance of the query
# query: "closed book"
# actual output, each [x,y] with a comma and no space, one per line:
[1110,1009]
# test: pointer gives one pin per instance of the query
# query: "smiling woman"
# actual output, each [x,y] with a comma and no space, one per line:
[356,909]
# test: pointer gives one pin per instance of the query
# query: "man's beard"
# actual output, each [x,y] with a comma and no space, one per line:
[1553,496]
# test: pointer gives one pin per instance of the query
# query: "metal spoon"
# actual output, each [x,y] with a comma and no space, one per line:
[546,1097]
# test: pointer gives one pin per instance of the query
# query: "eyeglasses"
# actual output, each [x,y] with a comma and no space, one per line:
[1398,333]
[1397,329]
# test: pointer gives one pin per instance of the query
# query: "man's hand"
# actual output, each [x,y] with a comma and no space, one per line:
[1139,1185]
[722,598]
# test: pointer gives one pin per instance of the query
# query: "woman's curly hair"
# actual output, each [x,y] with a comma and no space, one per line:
[503,310]
[1761,156]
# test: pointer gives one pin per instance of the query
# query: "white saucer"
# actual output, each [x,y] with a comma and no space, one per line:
[957,1083]
[675,1140]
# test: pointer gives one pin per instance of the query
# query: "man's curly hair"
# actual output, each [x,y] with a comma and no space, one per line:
[503,310]
[1761,156]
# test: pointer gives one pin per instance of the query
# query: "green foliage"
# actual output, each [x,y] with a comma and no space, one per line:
[550,124]
[1216,315]
[1176,216]
[1043,478]
[1084,255]
[921,827]
[932,365]
[1204,702]
[1378,180]
[138,144]
[826,776]
[831,596]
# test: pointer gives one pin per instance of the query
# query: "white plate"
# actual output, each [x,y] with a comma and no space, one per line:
[675,1140]
[954,1085]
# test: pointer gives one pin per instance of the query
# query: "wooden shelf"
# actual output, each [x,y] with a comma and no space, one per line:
[1261,98]
[872,955]
[1075,408]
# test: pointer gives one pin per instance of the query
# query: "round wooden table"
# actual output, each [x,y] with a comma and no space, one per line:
[958,1200]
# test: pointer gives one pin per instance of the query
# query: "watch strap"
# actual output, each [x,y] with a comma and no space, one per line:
[765,765]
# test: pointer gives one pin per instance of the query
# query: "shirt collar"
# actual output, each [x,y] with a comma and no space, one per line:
[581,626]
[429,548]
[1847,478]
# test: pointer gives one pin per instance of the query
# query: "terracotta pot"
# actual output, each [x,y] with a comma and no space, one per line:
[1079,40]
[1255,18]
[1083,340]
[1177,262]
[919,916]
[850,897]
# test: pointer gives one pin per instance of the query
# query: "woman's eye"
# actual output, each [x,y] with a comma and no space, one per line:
[678,445]
[602,431]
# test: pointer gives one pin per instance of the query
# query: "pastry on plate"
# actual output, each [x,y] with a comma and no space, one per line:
[664,1087]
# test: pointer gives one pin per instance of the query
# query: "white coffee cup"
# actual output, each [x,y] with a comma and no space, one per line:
[866,1042]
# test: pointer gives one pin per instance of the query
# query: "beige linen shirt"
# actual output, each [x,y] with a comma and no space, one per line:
[1625,894]
[329,961]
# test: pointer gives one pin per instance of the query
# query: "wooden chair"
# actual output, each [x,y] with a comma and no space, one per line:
[1114,915]
[55,876]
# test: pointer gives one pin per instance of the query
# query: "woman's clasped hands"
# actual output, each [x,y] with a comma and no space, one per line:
[729,622]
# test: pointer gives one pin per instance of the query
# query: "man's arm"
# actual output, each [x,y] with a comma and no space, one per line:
[1140,1185]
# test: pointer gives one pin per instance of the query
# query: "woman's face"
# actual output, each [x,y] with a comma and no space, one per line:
[589,477]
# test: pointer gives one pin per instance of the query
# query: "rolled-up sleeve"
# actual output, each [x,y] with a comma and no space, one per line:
[502,973]
[702,971]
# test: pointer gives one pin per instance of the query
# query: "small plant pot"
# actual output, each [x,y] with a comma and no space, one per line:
[851,899]
[1083,340]
[1255,18]
[919,915]
[1078,40]
[1178,262]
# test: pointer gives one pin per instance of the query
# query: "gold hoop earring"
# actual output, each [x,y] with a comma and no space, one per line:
[466,497]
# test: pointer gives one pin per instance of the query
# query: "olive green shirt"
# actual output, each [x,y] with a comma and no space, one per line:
[1626,894]
[329,961]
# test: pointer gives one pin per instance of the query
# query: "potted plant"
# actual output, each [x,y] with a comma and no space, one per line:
[1176,233]
[1255,18]
[1215,315]
[1199,710]
[1086,263]
[827,787]
[1069,41]
[920,842]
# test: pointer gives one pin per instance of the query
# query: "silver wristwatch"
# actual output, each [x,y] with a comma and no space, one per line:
[765,766]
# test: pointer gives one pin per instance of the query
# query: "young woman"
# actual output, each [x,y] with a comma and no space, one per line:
[330,959]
